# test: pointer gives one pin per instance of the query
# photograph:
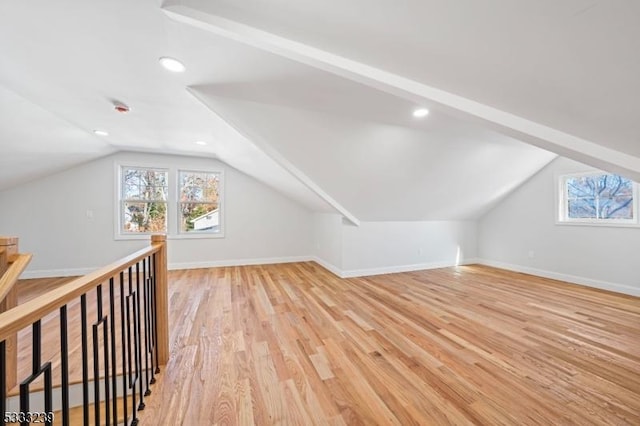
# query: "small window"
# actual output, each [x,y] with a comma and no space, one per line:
[200,202]
[143,200]
[598,198]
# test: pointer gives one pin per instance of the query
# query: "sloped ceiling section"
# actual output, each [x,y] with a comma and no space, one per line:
[65,62]
[315,98]
[38,142]
[364,148]
[559,75]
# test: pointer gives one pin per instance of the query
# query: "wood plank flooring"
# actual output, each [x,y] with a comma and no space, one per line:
[295,345]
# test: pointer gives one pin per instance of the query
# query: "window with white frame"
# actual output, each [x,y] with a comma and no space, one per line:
[598,198]
[143,200]
[199,202]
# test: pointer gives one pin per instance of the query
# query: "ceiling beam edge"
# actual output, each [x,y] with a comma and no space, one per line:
[265,147]
[506,123]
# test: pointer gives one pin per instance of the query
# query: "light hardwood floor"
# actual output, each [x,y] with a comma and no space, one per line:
[293,344]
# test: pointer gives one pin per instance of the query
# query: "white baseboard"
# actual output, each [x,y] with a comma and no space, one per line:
[54,273]
[328,266]
[589,282]
[238,262]
[353,273]
[50,273]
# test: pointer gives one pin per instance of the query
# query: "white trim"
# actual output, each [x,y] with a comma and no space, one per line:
[403,268]
[328,266]
[561,203]
[589,282]
[51,273]
[54,273]
[118,218]
[272,153]
[355,273]
[238,262]
[172,201]
[36,403]
[221,205]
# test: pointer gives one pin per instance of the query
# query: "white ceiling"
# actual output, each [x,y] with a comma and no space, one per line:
[365,149]
[314,98]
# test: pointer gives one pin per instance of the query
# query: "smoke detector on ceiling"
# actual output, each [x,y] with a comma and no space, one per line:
[121,107]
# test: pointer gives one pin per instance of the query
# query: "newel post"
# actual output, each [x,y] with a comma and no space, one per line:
[9,248]
[8,253]
[162,298]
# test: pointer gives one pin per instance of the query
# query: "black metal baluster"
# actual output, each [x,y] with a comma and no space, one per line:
[36,354]
[155,312]
[132,378]
[145,305]
[138,339]
[150,319]
[35,359]
[105,354]
[96,365]
[48,391]
[37,370]
[85,356]
[3,381]
[114,370]
[64,365]
[101,320]
[124,347]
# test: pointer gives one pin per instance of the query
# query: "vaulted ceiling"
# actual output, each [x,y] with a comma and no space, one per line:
[315,98]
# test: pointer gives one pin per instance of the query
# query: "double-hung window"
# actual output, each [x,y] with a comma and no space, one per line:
[181,203]
[598,198]
[143,200]
[199,206]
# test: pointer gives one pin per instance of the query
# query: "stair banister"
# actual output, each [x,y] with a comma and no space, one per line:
[140,282]
[12,264]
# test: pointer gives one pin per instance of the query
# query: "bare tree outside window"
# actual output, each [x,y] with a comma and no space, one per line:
[598,198]
[199,201]
[144,200]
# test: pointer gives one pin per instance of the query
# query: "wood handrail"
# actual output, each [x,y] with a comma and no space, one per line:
[11,276]
[29,312]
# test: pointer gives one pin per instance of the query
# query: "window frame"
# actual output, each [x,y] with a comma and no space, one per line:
[563,210]
[200,234]
[173,201]
[120,233]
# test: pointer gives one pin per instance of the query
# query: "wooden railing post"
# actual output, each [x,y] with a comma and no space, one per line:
[162,299]
[9,248]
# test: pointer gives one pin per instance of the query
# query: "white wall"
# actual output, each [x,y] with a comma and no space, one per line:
[521,234]
[50,218]
[328,241]
[386,247]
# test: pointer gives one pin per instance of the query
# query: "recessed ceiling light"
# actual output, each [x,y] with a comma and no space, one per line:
[171,64]
[421,112]
[101,132]
[201,143]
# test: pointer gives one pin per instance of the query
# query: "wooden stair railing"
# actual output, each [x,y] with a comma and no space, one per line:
[118,316]
[12,265]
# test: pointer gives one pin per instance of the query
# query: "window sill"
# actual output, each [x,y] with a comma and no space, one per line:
[196,236]
[598,225]
[146,237]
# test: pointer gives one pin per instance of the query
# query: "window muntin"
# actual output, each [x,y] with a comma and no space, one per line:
[598,198]
[199,206]
[143,200]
